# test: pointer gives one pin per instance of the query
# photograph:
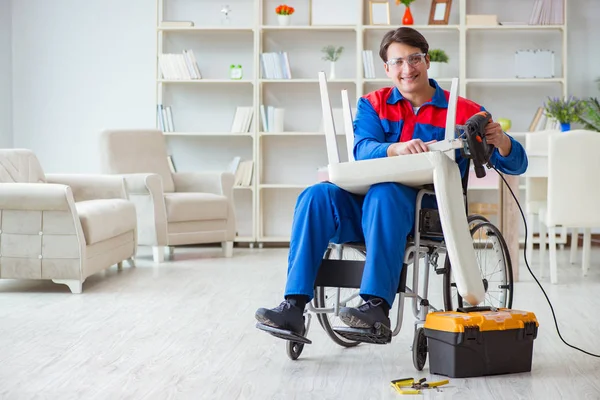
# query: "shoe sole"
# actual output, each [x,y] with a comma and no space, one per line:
[354,322]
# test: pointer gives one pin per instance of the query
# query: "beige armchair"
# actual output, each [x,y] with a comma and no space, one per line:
[61,227]
[179,208]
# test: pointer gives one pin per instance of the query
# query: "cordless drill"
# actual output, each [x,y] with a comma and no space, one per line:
[477,148]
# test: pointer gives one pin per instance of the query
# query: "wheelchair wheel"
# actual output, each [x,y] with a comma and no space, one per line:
[294,349]
[419,349]
[495,267]
[326,297]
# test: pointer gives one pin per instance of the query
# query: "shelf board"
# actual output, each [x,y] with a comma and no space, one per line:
[309,28]
[417,27]
[267,239]
[295,134]
[514,80]
[515,27]
[307,80]
[282,186]
[251,188]
[204,28]
[388,80]
[229,134]
[244,239]
[205,81]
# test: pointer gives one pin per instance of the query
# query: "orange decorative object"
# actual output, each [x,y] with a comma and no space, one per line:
[284,9]
[408,18]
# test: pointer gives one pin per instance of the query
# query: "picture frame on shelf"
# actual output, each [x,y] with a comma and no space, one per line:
[333,12]
[440,12]
[379,13]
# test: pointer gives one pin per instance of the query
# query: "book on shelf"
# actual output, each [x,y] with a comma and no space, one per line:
[165,118]
[177,24]
[179,66]
[547,12]
[275,65]
[242,171]
[272,118]
[242,120]
[368,66]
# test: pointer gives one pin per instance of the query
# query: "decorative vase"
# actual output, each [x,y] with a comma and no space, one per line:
[331,70]
[408,18]
[284,20]
[565,126]
[435,69]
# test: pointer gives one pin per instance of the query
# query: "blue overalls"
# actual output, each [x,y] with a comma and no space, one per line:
[384,217]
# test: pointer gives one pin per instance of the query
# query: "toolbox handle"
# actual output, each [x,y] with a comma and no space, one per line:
[474,309]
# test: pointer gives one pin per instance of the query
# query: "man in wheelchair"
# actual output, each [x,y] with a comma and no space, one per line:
[394,121]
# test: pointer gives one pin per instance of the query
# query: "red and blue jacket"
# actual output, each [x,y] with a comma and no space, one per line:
[384,117]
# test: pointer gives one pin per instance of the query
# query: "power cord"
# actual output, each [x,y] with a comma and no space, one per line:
[532,274]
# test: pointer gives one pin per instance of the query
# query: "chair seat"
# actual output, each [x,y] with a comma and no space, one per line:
[105,218]
[183,207]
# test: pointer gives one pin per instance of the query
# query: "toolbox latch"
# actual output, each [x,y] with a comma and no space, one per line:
[471,333]
[530,329]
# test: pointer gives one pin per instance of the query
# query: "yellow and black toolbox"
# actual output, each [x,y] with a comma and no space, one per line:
[479,341]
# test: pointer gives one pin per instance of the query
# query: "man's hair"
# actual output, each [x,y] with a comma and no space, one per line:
[404,35]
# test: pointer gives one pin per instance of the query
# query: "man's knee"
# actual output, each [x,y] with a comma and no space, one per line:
[323,191]
[393,192]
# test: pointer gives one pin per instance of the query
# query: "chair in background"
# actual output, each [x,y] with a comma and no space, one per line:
[573,190]
[181,208]
[61,227]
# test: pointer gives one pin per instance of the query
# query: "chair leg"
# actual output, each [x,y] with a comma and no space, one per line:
[529,250]
[587,248]
[131,262]
[574,245]
[552,248]
[227,249]
[543,231]
[158,254]
[120,265]
[169,252]
[74,285]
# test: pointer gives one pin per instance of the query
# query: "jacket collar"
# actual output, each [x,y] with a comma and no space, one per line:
[438,99]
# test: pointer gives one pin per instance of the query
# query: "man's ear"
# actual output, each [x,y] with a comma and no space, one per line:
[386,67]
[427,60]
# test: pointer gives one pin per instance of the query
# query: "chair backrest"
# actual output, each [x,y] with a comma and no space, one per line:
[20,166]
[131,151]
[573,179]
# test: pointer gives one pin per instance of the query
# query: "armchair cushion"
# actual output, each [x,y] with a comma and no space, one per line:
[105,219]
[183,207]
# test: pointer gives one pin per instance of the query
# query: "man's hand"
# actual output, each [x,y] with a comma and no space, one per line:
[413,146]
[495,136]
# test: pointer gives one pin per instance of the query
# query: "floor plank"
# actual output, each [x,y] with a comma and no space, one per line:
[185,330]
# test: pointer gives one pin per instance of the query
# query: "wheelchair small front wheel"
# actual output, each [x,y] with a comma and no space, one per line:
[419,349]
[294,349]
[493,258]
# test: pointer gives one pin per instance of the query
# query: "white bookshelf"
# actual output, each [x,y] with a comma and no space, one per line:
[286,162]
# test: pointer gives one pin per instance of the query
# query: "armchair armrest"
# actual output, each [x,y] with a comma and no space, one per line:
[91,187]
[205,182]
[145,190]
[35,197]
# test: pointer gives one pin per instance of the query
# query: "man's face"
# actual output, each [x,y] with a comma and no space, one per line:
[407,67]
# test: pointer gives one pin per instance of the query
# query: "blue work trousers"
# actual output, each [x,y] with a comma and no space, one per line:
[382,219]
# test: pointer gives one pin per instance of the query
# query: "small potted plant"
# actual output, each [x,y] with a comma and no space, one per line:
[437,57]
[564,111]
[332,54]
[284,13]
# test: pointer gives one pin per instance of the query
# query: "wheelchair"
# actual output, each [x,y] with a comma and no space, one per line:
[340,274]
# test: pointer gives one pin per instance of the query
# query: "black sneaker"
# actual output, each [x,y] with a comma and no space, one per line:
[365,316]
[286,316]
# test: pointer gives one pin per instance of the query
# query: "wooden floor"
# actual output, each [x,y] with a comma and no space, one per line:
[185,330]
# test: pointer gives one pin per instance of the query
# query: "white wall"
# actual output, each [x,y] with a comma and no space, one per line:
[80,66]
[5,75]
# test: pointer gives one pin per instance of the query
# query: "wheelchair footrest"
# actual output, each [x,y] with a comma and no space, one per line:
[283,334]
[379,334]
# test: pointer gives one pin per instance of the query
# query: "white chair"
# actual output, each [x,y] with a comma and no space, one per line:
[59,227]
[573,190]
[181,208]
[536,177]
